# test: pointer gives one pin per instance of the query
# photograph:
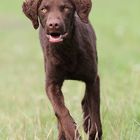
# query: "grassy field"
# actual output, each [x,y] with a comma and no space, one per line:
[25,112]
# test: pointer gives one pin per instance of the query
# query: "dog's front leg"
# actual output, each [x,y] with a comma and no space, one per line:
[67,125]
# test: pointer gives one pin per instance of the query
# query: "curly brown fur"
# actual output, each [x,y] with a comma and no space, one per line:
[69,47]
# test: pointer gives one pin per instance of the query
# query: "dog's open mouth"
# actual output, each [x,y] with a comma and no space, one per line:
[56,37]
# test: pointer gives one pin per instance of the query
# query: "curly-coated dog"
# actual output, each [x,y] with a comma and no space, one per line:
[69,47]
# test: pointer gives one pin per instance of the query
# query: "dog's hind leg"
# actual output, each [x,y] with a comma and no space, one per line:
[86,116]
[93,103]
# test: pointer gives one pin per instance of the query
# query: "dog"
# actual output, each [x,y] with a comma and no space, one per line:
[69,47]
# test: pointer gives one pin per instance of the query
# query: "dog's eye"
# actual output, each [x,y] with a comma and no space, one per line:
[44,10]
[66,9]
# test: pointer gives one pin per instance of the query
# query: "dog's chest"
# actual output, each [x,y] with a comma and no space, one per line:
[66,58]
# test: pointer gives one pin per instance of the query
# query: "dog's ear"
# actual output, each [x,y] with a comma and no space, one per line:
[30,8]
[83,8]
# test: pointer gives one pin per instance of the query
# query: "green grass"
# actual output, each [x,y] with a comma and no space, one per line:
[25,112]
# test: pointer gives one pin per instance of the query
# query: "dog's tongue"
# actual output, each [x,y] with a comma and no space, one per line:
[55,39]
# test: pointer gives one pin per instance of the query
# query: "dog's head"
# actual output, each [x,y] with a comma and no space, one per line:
[56,16]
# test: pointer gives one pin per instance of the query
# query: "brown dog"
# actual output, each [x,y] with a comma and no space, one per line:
[69,47]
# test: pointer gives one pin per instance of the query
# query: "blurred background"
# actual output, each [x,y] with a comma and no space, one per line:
[25,112]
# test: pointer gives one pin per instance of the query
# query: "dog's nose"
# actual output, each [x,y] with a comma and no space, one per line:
[53,24]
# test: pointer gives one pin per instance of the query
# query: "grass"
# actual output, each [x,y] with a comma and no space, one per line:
[25,112]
